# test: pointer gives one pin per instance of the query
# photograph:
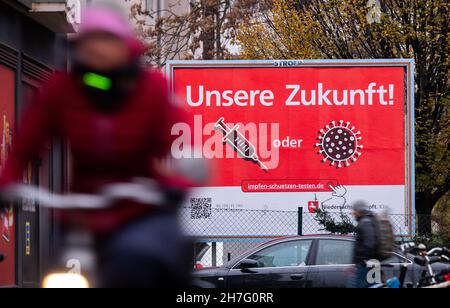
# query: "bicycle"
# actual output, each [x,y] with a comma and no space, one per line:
[426,259]
[79,247]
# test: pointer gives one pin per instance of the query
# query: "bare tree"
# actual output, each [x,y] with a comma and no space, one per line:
[206,31]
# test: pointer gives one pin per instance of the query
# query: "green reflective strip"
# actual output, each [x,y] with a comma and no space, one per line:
[97,81]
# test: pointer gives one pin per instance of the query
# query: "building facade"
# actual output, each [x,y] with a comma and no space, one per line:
[32,45]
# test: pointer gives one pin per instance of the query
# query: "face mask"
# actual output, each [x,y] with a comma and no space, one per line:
[109,90]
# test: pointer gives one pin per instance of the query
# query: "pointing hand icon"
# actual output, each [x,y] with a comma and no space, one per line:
[338,191]
[337,200]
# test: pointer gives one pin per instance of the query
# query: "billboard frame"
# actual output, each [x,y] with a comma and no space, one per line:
[407,64]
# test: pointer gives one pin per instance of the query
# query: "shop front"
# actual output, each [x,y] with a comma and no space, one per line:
[30,51]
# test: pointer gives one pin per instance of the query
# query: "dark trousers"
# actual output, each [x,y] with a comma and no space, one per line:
[358,279]
[149,253]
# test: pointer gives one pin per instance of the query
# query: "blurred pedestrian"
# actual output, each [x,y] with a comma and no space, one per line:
[365,248]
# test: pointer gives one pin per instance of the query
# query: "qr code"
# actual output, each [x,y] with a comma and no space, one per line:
[201,208]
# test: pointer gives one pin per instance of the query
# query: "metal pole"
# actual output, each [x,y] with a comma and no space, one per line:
[300,221]
[214,254]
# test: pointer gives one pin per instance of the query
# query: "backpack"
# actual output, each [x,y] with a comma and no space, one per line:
[384,236]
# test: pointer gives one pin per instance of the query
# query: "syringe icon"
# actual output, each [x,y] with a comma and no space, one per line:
[239,143]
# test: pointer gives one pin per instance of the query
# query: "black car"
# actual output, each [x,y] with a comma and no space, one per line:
[319,261]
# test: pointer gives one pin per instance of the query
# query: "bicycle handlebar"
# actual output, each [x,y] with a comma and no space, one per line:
[422,261]
[143,191]
[439,251]
[409,247]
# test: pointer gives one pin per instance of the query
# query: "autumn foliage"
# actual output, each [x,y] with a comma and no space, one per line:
[351,29]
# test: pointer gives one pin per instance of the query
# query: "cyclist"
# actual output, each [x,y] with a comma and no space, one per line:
[117,118]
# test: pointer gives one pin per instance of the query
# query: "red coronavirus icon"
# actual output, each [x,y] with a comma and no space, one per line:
[340,144]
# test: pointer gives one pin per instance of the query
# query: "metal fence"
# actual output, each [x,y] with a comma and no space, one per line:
[223,234]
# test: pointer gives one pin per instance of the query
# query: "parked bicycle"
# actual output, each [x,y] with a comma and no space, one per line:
[419,255]
[426,258]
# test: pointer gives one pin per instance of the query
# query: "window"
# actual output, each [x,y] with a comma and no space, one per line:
[149,5]
[287,254]
[334,252]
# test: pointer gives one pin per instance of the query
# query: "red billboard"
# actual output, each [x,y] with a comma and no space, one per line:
[284,135]
[7,217]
